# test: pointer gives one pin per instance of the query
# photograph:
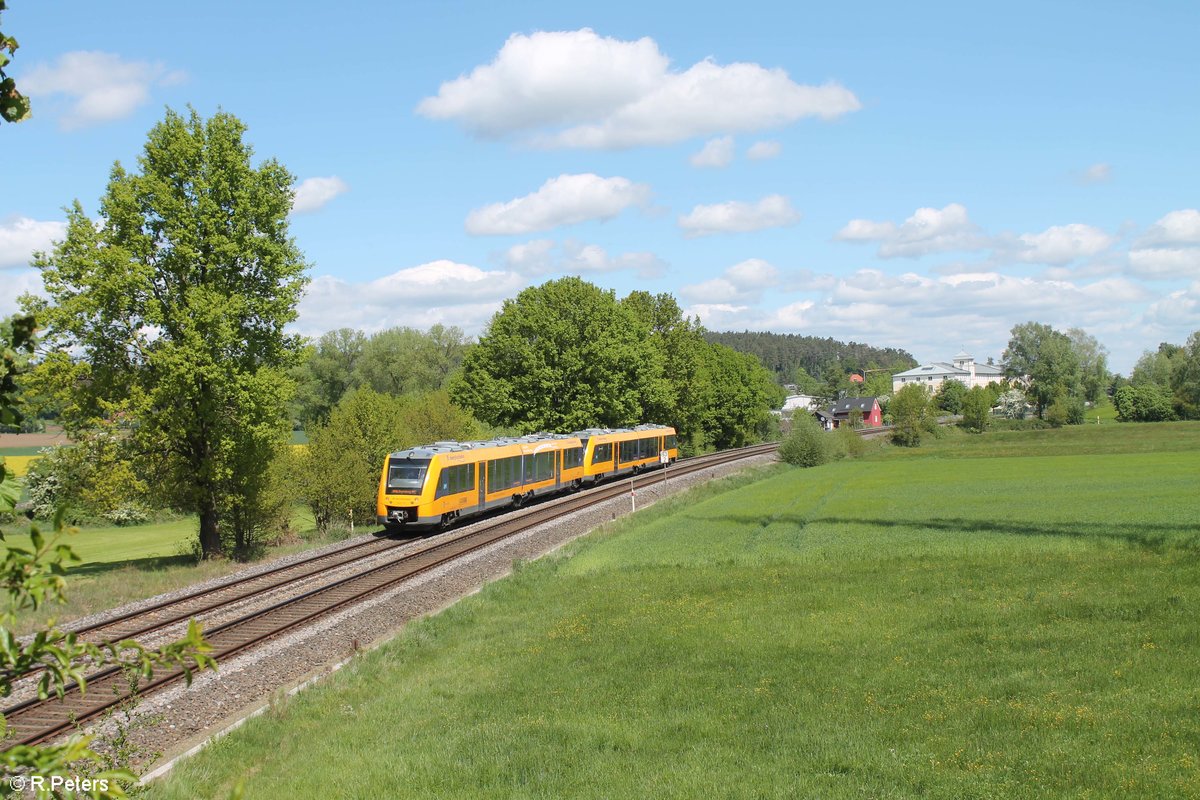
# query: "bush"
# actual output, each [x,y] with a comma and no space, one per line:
[848,444]
[1145,403]
[90,481]
[807,445]
[910,410]
[976,409]
[950,396]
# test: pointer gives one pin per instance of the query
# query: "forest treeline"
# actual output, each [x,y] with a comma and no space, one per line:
[786,353]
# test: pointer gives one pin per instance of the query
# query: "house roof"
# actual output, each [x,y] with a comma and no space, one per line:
[949,370]
[863,404]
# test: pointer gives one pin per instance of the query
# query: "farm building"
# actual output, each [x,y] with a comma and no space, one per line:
[843,410]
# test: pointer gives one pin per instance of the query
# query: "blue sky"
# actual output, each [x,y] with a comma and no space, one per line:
[920,176]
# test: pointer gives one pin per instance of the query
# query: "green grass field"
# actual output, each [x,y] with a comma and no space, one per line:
[123,564]
[925,623]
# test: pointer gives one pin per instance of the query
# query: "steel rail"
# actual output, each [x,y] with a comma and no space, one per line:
[35,720]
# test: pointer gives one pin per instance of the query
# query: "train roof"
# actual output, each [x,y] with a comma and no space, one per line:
[427,451]
[646,426]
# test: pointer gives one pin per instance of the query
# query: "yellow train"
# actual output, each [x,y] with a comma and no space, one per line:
[438,483]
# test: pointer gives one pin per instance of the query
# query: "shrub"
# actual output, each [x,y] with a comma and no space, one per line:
[848,444]
[1145,403]
[976,409]
[807,444]
[910,410]
[950,396]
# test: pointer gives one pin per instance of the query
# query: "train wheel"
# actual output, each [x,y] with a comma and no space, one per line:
[518,500]
[576,484]
[444,521]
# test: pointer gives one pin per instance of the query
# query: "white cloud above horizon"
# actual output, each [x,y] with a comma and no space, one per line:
[1169,249]
[735,216]
[928,230]
[440,291]
[565,200]
[716,153]
[312,194]
[542,257]
[576,89]
[100,87]
[741,284]
[21,237]
[761,151]
[1096,173]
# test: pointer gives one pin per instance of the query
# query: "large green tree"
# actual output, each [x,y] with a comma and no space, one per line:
[561,356]
[1185,379]
[407,361]
[684,397]
[168,310]
[325,373]
[1048,360]
[1093,363]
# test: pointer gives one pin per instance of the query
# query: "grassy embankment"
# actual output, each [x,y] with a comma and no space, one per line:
[123,564]
[1012,615]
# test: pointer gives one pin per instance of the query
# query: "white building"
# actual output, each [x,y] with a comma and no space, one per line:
[805,402]
[964,370]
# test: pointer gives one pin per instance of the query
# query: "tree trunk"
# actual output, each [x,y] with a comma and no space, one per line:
[210,536]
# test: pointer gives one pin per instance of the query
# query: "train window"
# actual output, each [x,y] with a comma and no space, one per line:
[602,452]
[539,467]
[572,457]
[504,473]
[404,473]
[456,479]
[671,443]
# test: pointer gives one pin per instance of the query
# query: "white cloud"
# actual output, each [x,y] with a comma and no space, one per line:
[440,291]
[773,211]
[1096,173]
[1178,227]
[21,236]
[536,257]
[544,256]
[928,230]
[313,193]
[742,283]
[1165,263]
[565,200]
[1176,314]
[102,87]
[1168,249]
[1062,244]
[761,151]
[715,153]
[577,89]
[15,285]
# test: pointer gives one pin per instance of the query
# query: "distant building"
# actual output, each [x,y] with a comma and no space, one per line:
[855,377]
[807,402]
[842,411]
[964,370]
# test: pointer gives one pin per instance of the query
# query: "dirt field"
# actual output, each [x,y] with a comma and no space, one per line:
[48,439]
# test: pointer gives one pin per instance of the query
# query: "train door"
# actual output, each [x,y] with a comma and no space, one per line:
[482,485]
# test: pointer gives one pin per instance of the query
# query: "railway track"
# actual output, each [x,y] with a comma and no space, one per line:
[36,721]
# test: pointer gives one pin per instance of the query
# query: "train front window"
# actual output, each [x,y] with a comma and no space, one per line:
[406,473]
